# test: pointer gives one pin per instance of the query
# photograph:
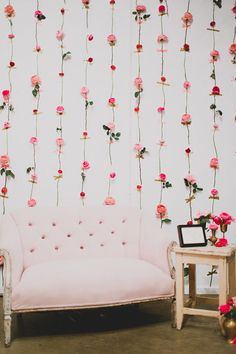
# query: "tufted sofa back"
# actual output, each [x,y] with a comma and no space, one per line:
[52,233]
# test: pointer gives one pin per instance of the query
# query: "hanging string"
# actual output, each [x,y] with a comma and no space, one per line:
[60,109]
[5,168]
[215,93]
[140,16]
[84,92]
[110,127]
[162,40]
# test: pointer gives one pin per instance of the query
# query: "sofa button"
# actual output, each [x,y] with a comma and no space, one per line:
[123,221]
[80,222]
[91,234]
[69,235]
[56,248]
[30,224]
[81,247]
[100,222]
[102,244]
[32,250]
[53,224]
[112,232]
[43,237]
[123,243]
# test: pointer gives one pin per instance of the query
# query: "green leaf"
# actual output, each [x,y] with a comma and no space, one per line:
[65,55]
[220,112]
[11,174]
[2,171]
[186,271]
[34,92]
[83,176]
[116,138]
[218,3]
[194,190]
[118,134]
[146,16]
[91,103]
[113,135]
[166,221]
[186,182]
[199,189]
[28,170]
[105,127]
[213,76]
[134,13]
[136,94]
[108,132]
[212,106]
[194,185]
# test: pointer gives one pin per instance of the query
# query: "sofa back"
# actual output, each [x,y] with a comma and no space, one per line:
[53,233]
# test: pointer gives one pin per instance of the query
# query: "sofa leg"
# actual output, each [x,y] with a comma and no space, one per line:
[7,329]
[173,313]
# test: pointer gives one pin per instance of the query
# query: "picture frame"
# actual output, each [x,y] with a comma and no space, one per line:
[192,235]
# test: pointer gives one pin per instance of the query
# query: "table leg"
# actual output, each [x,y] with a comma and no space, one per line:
[222,281]
[179,291]
[192,284]
[232,280]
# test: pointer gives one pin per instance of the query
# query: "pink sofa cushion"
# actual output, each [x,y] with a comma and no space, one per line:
[86,282]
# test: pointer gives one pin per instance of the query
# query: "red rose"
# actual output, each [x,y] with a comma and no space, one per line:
[162,9]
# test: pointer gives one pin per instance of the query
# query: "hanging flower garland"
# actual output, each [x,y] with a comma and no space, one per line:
[36,92]
[84,92]
[110,127]
[140,16]
[60,110]
[5,168]
[162,40]
[232,47]
[186,119]
[215,93]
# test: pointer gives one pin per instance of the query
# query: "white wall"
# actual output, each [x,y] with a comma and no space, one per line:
[99,82]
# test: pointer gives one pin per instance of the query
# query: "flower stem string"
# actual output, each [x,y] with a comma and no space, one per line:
[7,97]
[162,39]
[84,93]
[140,17]
[110,127]
[60,110]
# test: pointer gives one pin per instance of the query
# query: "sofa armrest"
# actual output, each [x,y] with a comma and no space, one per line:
[11,250]
[156,246]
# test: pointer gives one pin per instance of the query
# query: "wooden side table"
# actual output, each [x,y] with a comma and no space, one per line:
[223,258]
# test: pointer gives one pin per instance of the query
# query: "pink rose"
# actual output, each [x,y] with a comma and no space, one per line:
[6,95]
[187,18]
[34,178]
[214,192]
[60,109]
[112,101]
[224,308]
[35,80]
[191,179]
[84,92]
[1,260]
[214,163]
[186,85]
[31,202]
[85,165]
[162,38]
[186,119]
[111,39]
[222,242]
[217,220]
[90,37]
[11,36]
[4,161]
[109,201]
[141,8]
[162,177]
[161,109]
[216,126]
[215,90]
[38,13]
[161,210]
[138,147]
[226,217]
[60,35]
[138,83]
[38,48]
[112,175]
[33,140]
[232,48]
[86,3]
[111,126]
[214,53]
[60,141]
[6,125]
[9,10]
[213,227]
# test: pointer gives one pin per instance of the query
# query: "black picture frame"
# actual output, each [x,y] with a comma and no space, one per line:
[192,235]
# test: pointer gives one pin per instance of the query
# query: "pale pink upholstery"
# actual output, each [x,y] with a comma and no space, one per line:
[84,257]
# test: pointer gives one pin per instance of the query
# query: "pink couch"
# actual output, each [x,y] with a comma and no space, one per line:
[64,258]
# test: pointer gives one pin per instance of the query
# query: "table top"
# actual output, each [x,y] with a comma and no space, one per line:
[206,250]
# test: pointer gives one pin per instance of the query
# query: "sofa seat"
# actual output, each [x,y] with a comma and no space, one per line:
[89,282]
